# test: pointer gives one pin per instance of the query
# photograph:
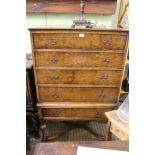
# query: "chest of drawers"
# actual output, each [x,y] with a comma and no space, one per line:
[78,72]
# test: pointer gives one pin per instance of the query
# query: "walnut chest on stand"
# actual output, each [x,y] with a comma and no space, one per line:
[78,72]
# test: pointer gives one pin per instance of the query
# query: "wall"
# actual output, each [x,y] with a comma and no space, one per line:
[115,16]
[60,20]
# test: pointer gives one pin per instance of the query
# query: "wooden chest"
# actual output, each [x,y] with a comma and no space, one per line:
[78,72]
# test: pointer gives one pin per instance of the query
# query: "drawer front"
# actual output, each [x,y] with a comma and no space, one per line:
[91,77]
[78,59]
[74,41]
[91,113]
[76,94]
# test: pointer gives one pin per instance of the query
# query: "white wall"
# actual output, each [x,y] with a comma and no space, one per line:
[59,21]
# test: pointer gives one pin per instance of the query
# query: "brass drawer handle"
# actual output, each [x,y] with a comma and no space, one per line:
[54,77]
[53,59]
[101,95]
[105,60]
[98,114]
[107,42]
[52,41]
[104,77]
[55,94]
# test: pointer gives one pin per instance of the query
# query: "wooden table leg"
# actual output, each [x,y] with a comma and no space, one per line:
[108,133]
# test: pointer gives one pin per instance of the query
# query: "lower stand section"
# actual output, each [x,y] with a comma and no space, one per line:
[71,126]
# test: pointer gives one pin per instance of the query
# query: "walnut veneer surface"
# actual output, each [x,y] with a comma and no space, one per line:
[78,72]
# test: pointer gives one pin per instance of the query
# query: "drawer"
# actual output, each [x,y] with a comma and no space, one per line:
[92,77]
[72,113]
[74,41]
[78,59]
[77,94]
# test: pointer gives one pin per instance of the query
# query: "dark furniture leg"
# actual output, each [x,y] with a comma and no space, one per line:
[43,132]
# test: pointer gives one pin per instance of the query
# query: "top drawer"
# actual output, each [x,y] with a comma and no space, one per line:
[79,41]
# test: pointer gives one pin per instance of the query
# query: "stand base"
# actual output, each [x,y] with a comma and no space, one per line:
[71,126]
